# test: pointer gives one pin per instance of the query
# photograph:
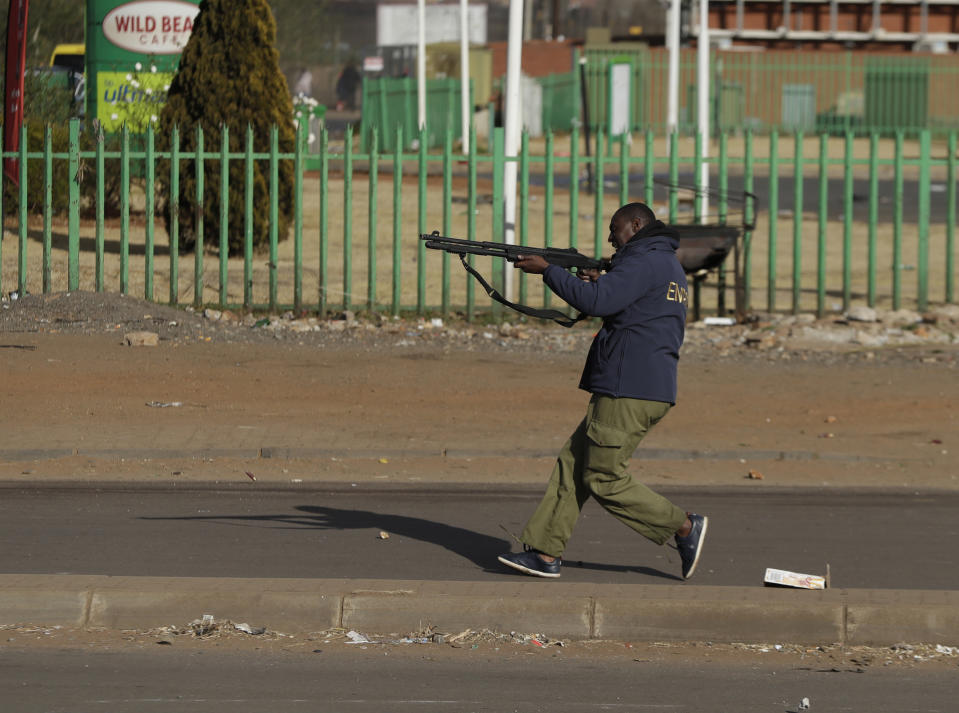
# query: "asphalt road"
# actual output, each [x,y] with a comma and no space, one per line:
[870,539]
[835,206]
[161,679]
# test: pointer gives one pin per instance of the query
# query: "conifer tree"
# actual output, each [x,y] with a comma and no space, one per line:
[229,75]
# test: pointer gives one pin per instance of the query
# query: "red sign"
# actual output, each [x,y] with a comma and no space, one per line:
[16,61]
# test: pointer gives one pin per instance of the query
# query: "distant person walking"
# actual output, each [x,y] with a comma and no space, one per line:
[304,84]
[346,85]
[631,374]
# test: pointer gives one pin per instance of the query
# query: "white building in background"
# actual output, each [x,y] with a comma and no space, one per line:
[397,25]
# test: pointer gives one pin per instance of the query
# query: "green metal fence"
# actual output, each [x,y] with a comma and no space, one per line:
[390,102]
[842,220]
[560,101]
[815,92]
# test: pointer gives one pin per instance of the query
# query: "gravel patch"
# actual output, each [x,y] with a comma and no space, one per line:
[863,334]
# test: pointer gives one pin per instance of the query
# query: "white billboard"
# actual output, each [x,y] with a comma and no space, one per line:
[398,24]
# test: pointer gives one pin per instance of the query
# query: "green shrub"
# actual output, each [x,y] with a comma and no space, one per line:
[229,75]
[60,174]
[60,136]
[47,99]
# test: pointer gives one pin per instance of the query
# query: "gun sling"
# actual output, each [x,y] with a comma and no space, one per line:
[555,315]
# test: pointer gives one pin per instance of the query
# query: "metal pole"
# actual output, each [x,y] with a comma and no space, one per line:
[421,65]
[465,109]
[702,59]
[672,44]
[584,98]
[512,129]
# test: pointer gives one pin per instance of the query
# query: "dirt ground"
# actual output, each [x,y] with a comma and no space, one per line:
[452,646]
[254,401]
[243,399]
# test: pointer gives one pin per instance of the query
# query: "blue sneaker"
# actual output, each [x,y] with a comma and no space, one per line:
[529,562]
[691,546]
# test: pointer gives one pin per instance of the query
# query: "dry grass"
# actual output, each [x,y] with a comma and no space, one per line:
[379,242]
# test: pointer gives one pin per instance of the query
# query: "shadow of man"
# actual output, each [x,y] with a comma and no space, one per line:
[478,548]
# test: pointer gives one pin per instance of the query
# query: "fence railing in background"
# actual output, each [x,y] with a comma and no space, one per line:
[393,102]
[842,220]
[813,92]
[561,101]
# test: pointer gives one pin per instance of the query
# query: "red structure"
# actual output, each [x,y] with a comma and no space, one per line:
[919,25]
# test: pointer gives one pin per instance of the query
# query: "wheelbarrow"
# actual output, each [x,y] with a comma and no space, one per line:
[703,248]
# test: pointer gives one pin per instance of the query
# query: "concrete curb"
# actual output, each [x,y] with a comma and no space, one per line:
[574,611]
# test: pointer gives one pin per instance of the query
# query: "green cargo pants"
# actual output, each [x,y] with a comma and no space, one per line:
[593,463]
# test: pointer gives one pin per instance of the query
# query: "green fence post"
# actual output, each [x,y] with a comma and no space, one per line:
[447,212]
[897,223]
[498,226]
[125,210]
[323,292]
[649,167]
[797,220]
[421,224]
[548,181]
[748,185]
[397,219]
[47,207]
[491,125]
[697,167]
[200,198]
[248,221]
[471,220]
[371,219]
[73,208]
[623,169]
[873,218]
[366,117]
[847,203]
[925,140]
[723,203]
[523,207]
[822,225]
[100,210]
[2,214]
[773,220]
[274,232]
[24,197]
[409,118]
[598,185]
[224,211]
[673,176]
[174,213]
[149,188]
[950,217]
[723,209]
[573,187]
[348,217]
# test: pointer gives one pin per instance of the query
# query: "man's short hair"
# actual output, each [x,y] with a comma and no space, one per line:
[636,211]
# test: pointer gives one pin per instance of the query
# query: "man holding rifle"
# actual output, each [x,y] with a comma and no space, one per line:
[631,374]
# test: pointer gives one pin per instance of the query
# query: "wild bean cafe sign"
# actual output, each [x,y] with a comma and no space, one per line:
[152,26]
[133,50]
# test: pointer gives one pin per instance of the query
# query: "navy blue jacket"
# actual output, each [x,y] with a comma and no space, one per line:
[642,299]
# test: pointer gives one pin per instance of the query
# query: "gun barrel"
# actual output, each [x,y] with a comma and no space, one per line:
[563,257]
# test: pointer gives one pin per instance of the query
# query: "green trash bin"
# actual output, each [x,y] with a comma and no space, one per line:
[896,94]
